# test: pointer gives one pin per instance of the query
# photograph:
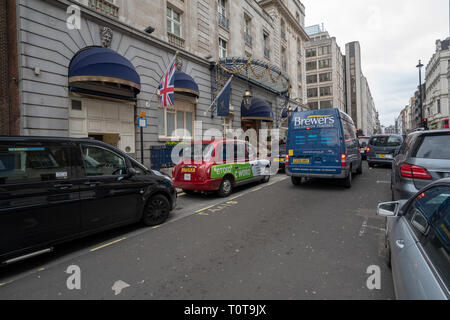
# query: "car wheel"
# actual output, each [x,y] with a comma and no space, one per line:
[371,165]
[348,180]
[226,187]
[296,181]
[266,179]
[156,211]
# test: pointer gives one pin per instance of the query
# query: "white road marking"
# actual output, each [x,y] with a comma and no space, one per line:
[119,286]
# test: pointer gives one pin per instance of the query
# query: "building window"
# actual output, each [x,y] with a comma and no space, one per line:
[326,63]
[312,93]
[311,79]
[222,48]
[313,105]
[326,91]
[311,65]
[324,50]
[266,41]
[176,123]
[283,59]
[324,77]
[173,22]
[439,106]
[222,14]
[328,104]
[77,105]
[311,52]
[283,29]
[247,31]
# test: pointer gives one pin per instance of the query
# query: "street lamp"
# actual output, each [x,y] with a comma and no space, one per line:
[248,96]
[420,66]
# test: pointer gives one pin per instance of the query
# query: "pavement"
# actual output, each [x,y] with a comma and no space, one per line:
[269,241]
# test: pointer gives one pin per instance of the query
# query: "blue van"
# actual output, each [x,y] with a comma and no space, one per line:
[322,144]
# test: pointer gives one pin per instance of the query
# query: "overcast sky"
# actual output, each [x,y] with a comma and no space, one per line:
[394,35]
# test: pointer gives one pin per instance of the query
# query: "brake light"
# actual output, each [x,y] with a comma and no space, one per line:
[414,172]
[343,160]
[368,149]
[287,160]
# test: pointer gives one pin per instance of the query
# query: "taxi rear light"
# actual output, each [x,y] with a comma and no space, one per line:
[414,172]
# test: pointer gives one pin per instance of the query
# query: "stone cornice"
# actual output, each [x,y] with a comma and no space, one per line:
[286,14]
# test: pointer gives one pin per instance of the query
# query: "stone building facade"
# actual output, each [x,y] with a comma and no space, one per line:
[146,35]
[325,73]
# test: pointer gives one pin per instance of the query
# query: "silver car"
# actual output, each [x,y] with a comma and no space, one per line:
[423,158]
[418,242]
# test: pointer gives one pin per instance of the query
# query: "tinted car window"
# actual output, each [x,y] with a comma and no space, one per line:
[33,164]
[433,147]
[386,141]
[437,246]
[363,142]
[102,162]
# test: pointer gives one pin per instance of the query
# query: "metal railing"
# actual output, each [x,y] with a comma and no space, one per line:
[175,40]
[105,7]
[223,21]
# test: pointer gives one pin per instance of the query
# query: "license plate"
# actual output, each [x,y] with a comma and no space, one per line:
[188,170]
[187,177]
[301,161]
[278,160]
[382,156]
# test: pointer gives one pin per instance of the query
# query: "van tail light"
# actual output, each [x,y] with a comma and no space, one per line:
[414,172]
[287,160]
[343,160]
[368,149]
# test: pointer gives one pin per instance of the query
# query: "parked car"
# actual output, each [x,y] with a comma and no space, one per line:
[418,243]
[363,142]
[57,189]
[382,149]
[322,144]
[219,166]
[423,158]
[280,157]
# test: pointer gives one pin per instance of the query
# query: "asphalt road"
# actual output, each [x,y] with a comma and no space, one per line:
[267,241]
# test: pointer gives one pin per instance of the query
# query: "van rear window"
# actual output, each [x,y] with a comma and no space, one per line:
[316,137]
[433,147]
[386,141]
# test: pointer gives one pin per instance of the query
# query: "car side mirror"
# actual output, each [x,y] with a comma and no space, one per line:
[131,172]
[388,209]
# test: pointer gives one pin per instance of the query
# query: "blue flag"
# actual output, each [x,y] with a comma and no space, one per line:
[223,101]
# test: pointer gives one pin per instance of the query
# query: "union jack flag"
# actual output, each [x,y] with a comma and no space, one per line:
[167,87]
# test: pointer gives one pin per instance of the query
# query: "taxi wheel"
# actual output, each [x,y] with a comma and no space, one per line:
[266,179]
[226,187]
[156,211]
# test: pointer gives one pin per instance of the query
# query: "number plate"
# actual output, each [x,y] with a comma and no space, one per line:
[382,156]
[301,161]
[187,177]
[188,170]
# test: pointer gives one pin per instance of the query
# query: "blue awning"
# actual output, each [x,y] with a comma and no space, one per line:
[103,65]
[184,83]
[259,110]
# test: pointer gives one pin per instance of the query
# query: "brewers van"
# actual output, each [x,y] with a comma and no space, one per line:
[322,144]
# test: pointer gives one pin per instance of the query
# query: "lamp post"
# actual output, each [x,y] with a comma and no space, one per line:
[420,66]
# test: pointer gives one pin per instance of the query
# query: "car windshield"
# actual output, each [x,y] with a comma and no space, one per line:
[386,141]
[197,151]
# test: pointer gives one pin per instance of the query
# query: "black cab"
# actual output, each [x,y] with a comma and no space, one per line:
[57,189]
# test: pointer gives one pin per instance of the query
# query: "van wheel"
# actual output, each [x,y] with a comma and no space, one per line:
[266,179]
[348,180]
[296,181]
[226,187]
[156,211]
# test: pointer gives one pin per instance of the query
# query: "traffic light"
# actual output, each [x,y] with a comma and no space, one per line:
[425,123]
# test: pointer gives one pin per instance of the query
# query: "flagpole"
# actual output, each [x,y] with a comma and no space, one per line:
[164,73]
[217,97]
